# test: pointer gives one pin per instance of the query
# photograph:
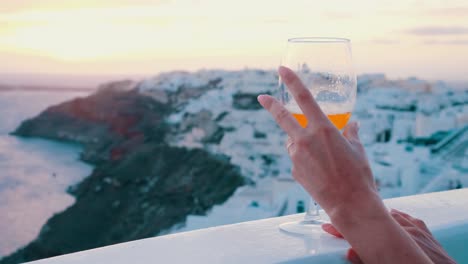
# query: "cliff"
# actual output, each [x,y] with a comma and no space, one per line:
[141,186]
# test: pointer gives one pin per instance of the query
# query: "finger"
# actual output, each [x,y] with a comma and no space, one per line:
[423,238]
[351,133]
[330,229]
[282,116]
[402,220]
[353,257]
[289,144]
[412,228]
[303,97]
[415,221]
[288,141]
[405,215]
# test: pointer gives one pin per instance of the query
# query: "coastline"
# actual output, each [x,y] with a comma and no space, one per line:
[36,173]
[133,179]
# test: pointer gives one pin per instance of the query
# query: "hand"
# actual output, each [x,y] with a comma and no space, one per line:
[332,167]
[418,231]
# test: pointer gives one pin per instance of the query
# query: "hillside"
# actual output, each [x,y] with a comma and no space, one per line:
[140,186]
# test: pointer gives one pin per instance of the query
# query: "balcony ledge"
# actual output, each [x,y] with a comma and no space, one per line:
[262,242]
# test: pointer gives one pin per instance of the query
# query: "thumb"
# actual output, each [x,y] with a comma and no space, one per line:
[351,133]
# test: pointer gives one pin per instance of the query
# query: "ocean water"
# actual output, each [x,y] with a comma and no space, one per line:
[34,173]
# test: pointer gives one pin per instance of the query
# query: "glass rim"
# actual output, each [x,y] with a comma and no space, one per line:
[318,40]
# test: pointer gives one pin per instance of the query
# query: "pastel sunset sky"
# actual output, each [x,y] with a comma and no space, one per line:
[427,39]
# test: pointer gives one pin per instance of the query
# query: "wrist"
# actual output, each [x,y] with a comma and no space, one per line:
[372,232]
[359,209]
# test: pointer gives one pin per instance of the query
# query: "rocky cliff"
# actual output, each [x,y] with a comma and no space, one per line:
[141,186]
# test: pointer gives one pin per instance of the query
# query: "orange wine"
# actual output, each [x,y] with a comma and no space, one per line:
[339,120]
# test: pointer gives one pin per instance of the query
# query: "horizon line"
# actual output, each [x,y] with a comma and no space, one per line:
[59,80]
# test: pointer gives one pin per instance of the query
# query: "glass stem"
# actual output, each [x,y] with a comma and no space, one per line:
[312,211]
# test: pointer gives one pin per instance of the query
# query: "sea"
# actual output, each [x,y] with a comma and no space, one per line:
[34,173]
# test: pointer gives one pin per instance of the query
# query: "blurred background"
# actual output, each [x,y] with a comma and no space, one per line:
[121,120]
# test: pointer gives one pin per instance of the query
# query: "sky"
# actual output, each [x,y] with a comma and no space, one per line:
[401,38]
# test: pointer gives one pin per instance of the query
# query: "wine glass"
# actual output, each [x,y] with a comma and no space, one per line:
[325,67]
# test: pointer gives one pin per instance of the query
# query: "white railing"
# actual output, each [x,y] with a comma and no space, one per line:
[446,214]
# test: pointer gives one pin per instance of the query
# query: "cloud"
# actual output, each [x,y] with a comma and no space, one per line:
[446,42]
[129,14]
[9,6]
[276,21]
[338,15]
[382,41]
[447,11]
[430,31]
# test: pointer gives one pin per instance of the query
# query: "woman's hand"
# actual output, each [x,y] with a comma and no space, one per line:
[416,228]
[332,167]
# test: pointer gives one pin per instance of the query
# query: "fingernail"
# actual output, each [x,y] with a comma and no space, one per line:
[353,256]
[282,71]
[260,98]
[358,125]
